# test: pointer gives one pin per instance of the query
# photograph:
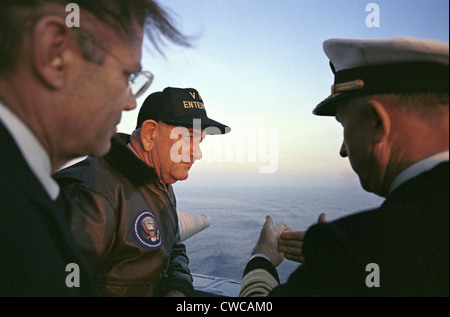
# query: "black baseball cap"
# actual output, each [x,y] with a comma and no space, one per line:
[179,107]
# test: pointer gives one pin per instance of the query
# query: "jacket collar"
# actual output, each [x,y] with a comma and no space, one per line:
[31,149]
[128,164]
[418,168]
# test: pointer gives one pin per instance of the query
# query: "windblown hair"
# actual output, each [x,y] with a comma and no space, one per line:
[18,17]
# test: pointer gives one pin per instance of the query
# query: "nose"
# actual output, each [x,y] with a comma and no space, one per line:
[130,104]
[343,150]
[197,152]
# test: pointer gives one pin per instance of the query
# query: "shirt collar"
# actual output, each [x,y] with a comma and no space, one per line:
[32,150]
[418,168]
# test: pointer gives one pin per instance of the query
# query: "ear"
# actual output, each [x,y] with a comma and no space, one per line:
[380,120]
[51,38]
[148,133]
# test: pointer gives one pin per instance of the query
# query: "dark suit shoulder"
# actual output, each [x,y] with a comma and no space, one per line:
[407,237]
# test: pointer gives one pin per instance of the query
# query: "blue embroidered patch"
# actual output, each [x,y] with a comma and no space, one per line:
[146,230]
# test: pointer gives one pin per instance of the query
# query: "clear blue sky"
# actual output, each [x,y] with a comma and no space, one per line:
[260,68]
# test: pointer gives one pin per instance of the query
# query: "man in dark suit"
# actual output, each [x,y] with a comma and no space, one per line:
[62,91]
[391,97]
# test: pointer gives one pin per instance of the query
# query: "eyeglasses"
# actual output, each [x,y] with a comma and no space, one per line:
[138,82]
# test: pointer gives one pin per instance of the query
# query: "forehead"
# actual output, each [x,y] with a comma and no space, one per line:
[345,107]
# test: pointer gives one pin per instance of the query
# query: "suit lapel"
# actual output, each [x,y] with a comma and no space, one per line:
[13,163]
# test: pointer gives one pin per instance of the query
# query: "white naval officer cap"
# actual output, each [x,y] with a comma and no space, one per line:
[382,66]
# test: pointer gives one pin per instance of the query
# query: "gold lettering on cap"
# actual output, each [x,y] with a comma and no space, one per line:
[193,95]
[193,104]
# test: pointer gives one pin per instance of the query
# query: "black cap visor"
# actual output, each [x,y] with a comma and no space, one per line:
[328,107]
[210,126]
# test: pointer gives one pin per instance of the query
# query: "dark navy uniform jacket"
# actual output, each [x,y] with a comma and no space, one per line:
[36,245]
[398,249]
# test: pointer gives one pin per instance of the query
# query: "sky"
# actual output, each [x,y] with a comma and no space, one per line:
[260,69]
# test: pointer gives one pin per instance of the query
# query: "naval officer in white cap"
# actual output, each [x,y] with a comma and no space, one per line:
[391,97]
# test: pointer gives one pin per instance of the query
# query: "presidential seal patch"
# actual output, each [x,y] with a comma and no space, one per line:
[146,230]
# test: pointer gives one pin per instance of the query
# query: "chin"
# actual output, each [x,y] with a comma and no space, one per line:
[102,149]
[365,186]
[371,189]
[182,177]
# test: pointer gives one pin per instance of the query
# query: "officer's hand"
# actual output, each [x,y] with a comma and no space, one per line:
[268,241]
[291,243]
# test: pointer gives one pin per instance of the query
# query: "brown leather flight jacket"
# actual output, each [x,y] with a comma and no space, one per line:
[124,219]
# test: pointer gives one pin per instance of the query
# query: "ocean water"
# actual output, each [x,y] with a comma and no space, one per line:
[238,212]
